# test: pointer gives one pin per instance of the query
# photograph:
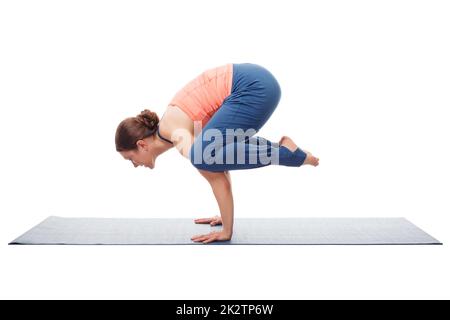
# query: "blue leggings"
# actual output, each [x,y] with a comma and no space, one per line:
[227,142]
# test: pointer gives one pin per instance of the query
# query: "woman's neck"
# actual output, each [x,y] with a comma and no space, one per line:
[160,145]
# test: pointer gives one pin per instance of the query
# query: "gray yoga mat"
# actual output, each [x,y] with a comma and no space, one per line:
[266,231]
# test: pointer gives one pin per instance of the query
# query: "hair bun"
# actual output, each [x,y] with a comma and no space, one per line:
[148,118]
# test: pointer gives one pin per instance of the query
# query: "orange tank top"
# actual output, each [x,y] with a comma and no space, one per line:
[204,95]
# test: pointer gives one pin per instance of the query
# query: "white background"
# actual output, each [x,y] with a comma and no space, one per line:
[365,86]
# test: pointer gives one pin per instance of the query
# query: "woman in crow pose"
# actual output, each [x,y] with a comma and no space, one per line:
[213,121]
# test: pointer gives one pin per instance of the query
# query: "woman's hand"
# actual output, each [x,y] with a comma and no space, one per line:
[214,221]
[213,236]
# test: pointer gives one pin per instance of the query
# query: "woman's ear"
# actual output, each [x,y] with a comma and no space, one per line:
[142,144]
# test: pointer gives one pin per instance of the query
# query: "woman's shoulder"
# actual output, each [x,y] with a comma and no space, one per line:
[173,119]
[178,129]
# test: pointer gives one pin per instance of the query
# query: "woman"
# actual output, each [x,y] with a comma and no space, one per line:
[212,121]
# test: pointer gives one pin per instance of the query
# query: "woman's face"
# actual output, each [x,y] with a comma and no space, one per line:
[142,156]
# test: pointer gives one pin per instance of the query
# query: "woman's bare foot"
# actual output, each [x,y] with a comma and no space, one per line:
[290,144]
[310,159]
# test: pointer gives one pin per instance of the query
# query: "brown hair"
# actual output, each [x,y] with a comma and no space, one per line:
[136,128]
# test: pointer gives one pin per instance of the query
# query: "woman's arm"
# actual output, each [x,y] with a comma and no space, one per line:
[221,185]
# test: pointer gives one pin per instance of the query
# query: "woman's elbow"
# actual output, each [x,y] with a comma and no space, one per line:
[222,184]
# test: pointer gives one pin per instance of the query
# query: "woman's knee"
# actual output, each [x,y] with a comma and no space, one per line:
[204,155]
[196,154]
